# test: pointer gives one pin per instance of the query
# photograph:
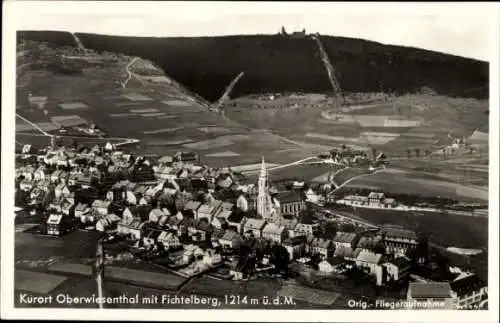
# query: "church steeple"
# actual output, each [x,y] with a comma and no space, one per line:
[263,198]
[263,170]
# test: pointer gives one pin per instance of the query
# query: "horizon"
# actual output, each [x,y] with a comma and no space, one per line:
[461,30]
[258,34]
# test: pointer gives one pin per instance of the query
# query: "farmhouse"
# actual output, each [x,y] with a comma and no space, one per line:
[101,206]
[231,239]
[323,247]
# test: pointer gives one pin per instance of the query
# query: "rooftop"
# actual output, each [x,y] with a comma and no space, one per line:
[430,290]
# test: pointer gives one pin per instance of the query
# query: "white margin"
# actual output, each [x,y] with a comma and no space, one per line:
[15,10]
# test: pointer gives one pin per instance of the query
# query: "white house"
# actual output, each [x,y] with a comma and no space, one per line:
[372,262]
[397,269]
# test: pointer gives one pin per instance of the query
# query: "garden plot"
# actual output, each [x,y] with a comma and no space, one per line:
[172,142]
[309,295]
[45,126]
[122,115]
[214,130]
[333,138]
[152,132]
[134,96]
[378,138]
[152,115]
[68,120]
[73,106]
[223,154]
[35,282]
[143,110]
[209,144]
[177,103]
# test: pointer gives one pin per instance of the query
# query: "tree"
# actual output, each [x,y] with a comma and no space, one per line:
[417,152]
[374,153]
[408,153]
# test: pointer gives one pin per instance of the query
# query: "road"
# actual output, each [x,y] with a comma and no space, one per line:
[129,73]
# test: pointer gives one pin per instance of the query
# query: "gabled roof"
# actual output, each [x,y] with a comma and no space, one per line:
[192,205]
[430,290]
[203,225]
[206,208]
[272,228]
[289,224]
[224,214]
[254,224]
[321,243]
[400,262]
[344,237]
[294,241]
[368,242]
[289,197]
[230,235]
[334,261]
[369,257]
[391,231]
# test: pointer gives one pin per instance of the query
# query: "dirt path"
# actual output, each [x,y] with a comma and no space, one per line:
[129,73]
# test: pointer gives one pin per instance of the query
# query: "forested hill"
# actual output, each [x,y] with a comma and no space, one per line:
[277,63]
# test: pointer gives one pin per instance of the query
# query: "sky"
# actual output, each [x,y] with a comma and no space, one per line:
[456,28]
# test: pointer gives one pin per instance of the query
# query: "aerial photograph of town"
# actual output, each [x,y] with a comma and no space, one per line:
[287,170]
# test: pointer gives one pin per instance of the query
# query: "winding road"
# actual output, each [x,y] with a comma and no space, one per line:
[129,73]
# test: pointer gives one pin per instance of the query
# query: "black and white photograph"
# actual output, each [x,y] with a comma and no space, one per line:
[304,161]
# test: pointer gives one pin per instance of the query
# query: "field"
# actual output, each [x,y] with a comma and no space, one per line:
[414,184]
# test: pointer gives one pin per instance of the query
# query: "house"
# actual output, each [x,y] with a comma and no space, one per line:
[330,264]
[191,208]
[239,268]
[291,202]
[323,247]
[303,229]
[289,224]
[274,232]
[438,294]
[242,203]
[84,180]
[227,206]
[231,240]
[295,246]
[208,210]
[137,212]
[168,240]
[398,240]
[101,206]
[54,177]
[346,239]
[375,199]
[150,237]
[397,269]
[312,197]
[236,220]
[203,231]
[54,224]
[134,229]
[219,223]
[369,243]
[26,185]
[28,172]
[346,253]
[372,263]
[254,227]
[156,214]
[61,190]
[468,291]
[186,157]
[211,258]
[67,206]
[81,210]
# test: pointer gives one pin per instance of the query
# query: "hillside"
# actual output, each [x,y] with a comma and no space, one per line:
[274,63]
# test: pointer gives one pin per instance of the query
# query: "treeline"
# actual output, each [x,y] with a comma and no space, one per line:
[206,65]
